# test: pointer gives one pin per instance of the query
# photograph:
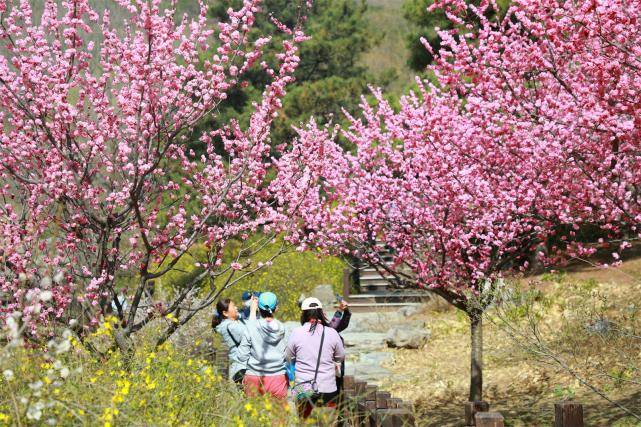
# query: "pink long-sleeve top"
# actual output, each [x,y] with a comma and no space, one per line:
[303,346]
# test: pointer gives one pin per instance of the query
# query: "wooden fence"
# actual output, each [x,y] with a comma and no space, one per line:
[364,405]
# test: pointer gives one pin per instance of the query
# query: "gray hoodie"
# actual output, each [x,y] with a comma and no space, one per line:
[263,347]
[238,330]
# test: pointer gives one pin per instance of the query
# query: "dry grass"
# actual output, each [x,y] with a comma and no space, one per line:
[522,388]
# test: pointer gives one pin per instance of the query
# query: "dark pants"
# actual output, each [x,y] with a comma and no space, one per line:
[339,380]
[238,378]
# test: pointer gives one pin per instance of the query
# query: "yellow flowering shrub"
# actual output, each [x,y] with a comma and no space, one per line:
[159,387]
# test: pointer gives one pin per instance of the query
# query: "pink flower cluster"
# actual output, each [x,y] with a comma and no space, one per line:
[530,126]
[96,176]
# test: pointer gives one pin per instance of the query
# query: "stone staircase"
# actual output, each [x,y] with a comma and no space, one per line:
[377,293]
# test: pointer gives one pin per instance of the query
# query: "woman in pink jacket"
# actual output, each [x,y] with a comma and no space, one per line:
[316,348]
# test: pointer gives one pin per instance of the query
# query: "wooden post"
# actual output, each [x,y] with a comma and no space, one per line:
[348,407]
[370,414]
[394,418]
[370,406]
[568,414]
[489,419]
[348,381]
[381,399]
[360,387]
[471,408]
[362,419]
[393,402]
[370,392]
[347,272]
[345,401]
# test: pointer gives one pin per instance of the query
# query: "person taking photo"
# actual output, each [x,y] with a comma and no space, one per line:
[262,348]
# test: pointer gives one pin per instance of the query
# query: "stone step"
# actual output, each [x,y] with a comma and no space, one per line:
[383,298]
[374,288]
[393,293]
[364,266]
[362,307]
[366,274]
[377,283]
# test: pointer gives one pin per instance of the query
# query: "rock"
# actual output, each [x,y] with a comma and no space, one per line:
[407,338]
[601,327]
[325,293]
[409,310]
[373,322]
[375,358]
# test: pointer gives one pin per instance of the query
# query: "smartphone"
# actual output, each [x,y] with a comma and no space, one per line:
[339,298]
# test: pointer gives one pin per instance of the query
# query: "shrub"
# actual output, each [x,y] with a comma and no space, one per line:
[291,275]
[66,385]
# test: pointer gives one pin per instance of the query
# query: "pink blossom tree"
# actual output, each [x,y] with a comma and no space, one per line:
[423,184]
[97,181]
[532,126]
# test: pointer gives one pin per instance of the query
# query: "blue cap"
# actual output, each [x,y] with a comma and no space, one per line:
[267,301]
[246,295]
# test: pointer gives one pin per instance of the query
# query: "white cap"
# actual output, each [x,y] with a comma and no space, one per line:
[311,303]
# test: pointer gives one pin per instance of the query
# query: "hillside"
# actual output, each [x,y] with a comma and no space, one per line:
[386,20]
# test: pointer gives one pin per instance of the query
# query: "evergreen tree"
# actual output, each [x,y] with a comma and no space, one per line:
[426,24]
[330,76]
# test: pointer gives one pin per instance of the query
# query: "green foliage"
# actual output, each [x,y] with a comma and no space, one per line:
[330,75]
[627,422]
[555,276]
[184,272]
[527,303]
[290,275]
[565,393]
[427,24]
[323,99]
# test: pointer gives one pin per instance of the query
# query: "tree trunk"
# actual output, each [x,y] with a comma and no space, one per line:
[123,341]
[476,356]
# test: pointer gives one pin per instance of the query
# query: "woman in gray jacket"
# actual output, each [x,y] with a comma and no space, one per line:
[232,331]
[263,348]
